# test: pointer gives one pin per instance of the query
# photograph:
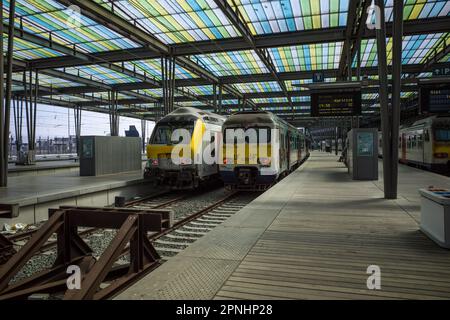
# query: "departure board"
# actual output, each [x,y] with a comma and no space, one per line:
[333,104]
[435,99]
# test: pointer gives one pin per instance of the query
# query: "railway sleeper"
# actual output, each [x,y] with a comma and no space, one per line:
[197,228]
[173,243]
[205,224]
[192,233]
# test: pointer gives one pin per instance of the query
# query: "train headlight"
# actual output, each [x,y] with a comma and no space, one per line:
[265,161]
[441,155]
[227,161]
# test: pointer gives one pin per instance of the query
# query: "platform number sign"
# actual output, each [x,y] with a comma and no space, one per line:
[441,72]
[318,77]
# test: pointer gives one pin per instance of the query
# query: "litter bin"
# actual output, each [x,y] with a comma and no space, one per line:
[435,215]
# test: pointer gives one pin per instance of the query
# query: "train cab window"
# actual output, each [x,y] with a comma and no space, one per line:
[162,135]
[263,135]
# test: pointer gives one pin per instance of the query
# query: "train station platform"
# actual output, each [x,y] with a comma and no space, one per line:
[312,236]
[27,198]
[44,168]
[49,167]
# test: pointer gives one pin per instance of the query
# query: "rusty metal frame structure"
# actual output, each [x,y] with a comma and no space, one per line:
[132,236]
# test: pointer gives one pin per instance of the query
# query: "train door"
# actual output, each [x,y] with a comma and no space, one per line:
[288,140]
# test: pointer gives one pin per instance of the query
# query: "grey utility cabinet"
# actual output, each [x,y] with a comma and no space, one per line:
[100,155]
[362,154]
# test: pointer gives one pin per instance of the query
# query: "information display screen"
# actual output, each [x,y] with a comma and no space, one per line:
[87,148]
[435,99]
[333,104]
[365,144]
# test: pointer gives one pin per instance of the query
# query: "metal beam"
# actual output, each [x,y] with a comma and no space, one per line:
[411,27]
[107,18]
[352,24]
[264,77]
[238,22]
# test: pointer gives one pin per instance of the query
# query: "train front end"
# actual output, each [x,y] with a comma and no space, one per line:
[247,152]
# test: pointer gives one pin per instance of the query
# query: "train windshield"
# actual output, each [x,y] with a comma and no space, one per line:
[263,135]
[442,134]
[163,132]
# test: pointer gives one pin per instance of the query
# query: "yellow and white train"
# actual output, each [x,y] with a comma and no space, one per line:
[279,149]
[160,167]
[425,143]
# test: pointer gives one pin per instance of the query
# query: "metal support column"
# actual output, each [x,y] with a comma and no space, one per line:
[349,63]
[384,108]
[397,35]
[113,114]
[168,82]
[358,62]
[220,99]
[5,95]
[77,117]
[3,172]
[336,140]
[144,133]
[215,97]
[18,121]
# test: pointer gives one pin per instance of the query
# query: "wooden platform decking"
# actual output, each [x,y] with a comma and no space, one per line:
[329,232]
[313,236]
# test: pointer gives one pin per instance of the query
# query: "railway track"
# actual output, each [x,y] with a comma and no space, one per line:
[187,229]
[187,226]
[160,200]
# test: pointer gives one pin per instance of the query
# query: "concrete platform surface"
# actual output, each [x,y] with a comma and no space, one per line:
[27,190]
[312,236]
[44,165]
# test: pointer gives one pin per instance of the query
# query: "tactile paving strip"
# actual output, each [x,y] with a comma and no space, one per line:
[230,243]
[201,279]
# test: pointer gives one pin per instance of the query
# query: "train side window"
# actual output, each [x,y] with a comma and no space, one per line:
[420,141]
[427,135]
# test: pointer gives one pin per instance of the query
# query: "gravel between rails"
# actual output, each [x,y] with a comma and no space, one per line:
[196,203]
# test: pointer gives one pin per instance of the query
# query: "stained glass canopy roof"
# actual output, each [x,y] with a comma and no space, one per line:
[263,52]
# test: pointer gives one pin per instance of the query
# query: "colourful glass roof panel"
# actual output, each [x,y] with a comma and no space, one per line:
[307,57]
[416,49]
[99,73]
[46,80]
[175,21]
[68,98]
[152,68]
[231,63]
[24,50]
[272,16]
[270,100]
[419,9]
[66,26]
[253,87]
